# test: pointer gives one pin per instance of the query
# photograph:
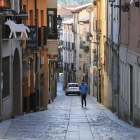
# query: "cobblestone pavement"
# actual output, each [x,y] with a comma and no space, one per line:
[66,120]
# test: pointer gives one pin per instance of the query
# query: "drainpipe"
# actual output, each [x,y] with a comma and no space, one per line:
[1,68]
[112,55]
[35,103]
[119,58]
[97,69]
[20,5]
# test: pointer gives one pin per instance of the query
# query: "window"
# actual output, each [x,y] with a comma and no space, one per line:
[52,23]
[42,18]
[38,17]
[52,16]
[73,85]
[31,17]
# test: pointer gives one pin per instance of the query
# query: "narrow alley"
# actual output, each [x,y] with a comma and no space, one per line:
[66,119]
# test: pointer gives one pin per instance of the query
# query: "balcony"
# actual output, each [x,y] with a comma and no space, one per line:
[68,47]
[52,33]
[97,25]
[85,70]
[72,66]
[68,69]
[73,46]
[5,4]
[61,58]
[81,44]
[60,65]
[65,66]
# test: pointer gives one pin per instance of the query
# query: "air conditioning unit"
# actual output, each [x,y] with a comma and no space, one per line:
[42,61]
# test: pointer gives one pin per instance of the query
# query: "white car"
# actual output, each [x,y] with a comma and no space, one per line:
[72,88]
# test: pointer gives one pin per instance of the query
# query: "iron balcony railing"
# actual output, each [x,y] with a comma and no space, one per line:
[68,45]
[73,46]
[72,66]
[85,70]
[52,33]
[98,27]
[65,66]
[61,58]
[60,65]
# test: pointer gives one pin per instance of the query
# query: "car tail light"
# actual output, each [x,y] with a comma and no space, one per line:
[78,85]
[68,85]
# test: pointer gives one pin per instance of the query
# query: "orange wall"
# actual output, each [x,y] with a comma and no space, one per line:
[41,11]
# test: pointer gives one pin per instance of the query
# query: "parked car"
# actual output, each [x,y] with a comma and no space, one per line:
[72,88]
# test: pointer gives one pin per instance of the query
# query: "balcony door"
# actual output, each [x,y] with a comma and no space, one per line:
[52,22]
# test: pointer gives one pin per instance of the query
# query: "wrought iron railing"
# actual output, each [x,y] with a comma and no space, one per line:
[72,66]
[52,33]
[85,70]
[73,46]
[68,45]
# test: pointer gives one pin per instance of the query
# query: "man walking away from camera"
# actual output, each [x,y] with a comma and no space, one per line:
[83,90]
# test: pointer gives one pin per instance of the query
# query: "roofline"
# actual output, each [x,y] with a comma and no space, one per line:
[80,8]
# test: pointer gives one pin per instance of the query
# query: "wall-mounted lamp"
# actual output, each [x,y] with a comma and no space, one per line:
[84,43]
[137,4]
[59,20]
[91,37]
[124,8]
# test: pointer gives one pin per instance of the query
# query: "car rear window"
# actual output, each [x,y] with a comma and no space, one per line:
[73,85]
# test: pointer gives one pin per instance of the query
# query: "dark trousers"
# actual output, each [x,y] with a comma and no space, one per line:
[83,98]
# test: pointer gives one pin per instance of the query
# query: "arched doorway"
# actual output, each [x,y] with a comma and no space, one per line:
[16,84]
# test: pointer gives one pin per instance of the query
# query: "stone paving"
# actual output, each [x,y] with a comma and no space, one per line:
[66,120]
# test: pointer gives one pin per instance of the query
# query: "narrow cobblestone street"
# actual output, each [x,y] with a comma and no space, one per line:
[65,119]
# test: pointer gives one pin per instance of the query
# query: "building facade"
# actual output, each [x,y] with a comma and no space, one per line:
[79,13]
[68,53]
[40,55]
[11,101]
[129,95]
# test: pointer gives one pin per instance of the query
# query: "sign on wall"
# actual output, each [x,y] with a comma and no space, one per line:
[17,28]
[32,35]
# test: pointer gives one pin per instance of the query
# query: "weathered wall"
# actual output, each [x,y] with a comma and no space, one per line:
[8,49]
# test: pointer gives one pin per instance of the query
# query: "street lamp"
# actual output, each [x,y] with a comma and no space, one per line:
[59,20]
[91,37]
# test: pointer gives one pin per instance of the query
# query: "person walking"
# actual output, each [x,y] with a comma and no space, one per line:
[83,90]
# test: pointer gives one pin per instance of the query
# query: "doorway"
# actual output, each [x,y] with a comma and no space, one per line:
[16,84]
